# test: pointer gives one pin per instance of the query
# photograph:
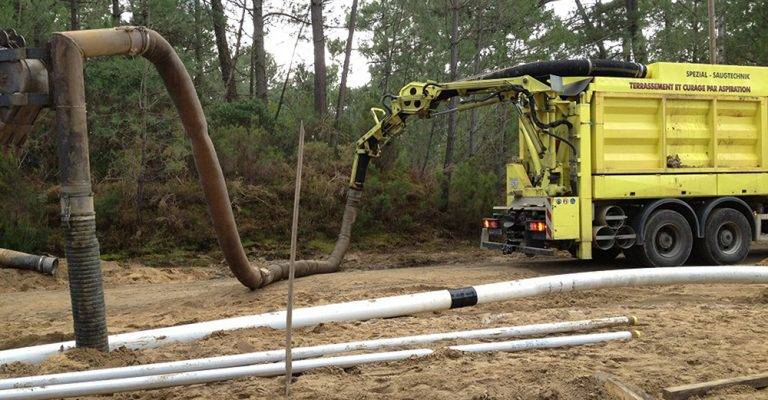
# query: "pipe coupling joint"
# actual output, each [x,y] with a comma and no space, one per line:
[77,203]
[47,265]
[139,38]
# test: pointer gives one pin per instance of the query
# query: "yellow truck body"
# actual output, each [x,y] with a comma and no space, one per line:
[687,130]
[685,135]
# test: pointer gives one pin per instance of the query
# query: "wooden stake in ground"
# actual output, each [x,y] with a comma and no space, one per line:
[619,390]
[292,266]
[697,389]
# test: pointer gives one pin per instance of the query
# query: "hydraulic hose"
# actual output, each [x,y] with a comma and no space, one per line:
[18,260]
[541,70]
[554,124]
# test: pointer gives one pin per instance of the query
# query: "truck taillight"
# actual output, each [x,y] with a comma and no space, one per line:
[491,223]
[537,226]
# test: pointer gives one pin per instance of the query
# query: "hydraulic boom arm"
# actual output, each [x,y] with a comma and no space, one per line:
[422,99]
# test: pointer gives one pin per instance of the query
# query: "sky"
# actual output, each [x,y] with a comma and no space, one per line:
[281,37]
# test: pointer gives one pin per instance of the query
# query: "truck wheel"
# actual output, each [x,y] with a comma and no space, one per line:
[726,239]
[667,240]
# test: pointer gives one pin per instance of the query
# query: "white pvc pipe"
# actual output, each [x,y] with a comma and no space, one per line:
[191,378]
[237,360]
[275,369]
[387,307]
[546,343]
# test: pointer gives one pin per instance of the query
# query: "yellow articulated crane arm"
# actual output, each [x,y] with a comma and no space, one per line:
[533,100]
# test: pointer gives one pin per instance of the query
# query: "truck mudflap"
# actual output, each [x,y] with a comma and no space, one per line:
[512,248]
[509,248]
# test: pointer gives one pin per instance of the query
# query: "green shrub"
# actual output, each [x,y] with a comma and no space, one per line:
[247,113]
[474,192]
[23,222]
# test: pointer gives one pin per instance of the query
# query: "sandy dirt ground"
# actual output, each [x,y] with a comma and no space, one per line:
[691,333]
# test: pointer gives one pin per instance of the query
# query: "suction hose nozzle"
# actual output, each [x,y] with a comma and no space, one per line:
[18,260]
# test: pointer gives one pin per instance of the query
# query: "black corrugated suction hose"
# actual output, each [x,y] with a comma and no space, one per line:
[543,69]
[85,283]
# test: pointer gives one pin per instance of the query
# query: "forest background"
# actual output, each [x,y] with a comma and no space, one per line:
[436,181]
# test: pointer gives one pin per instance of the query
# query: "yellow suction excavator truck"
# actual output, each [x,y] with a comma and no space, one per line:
[665,162]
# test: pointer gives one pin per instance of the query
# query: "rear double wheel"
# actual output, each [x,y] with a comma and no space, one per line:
[727,236]
[667,240]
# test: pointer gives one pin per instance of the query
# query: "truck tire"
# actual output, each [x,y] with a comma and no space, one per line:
[727,236]
[667,240]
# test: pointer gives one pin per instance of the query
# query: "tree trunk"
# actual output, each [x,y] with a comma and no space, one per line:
[258,55]
[427,154]
[626,51]
[16,7]
[231,82]
[144,13]
[634,33]
[451,138]
[722,30]
[592,33]
[39,25]
[340,102]
[345,68]
[288,73]
[394,16]
[318,41]
[503,134]
[74,20]
[199,78]
[139,12]
[140,178]
[473,116]
[225,59]
[696,28]
[116,12]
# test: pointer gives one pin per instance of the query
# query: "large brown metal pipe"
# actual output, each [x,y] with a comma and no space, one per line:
[276,272]
[78,215]
[148,43]
[152,46]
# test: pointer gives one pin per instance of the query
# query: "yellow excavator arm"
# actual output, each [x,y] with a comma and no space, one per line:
[422,99]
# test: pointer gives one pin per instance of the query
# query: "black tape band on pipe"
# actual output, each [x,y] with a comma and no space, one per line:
[463,297]
[362,168]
